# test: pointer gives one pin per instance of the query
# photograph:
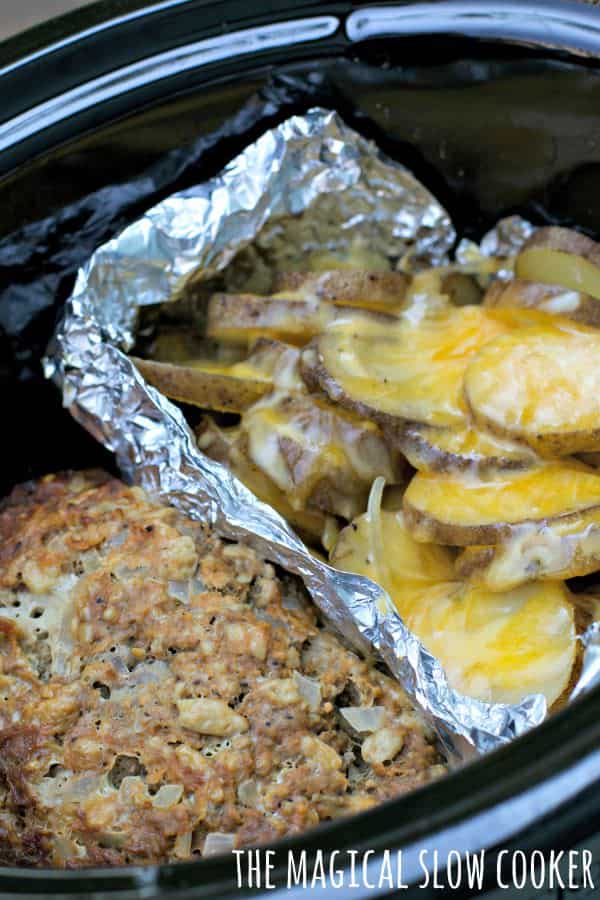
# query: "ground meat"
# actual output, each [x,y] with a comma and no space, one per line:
[159,684]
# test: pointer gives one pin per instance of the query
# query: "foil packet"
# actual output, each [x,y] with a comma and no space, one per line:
[310,184]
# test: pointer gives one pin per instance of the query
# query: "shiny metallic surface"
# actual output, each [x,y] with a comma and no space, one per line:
[161,66]
[589,677]
[23,16]
[502,242]
[560,24]
[311,182]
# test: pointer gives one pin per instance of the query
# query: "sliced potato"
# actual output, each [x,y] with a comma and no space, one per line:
[320,456]
[409,370]
[541,386]
[465,510]
[471,564]
[496,647]
[460,448]
[221,387]
[242,318]
[543,551]
[548,298]
[278,362]
[500,647]
[381,547]
[561,256]
[224,446]
[367,289]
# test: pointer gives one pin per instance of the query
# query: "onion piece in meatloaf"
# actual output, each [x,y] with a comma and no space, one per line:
[160,686]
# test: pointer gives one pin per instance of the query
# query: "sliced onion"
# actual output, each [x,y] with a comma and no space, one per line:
[376,547]
[130,787]
[67,789]
[331,533]
[217,843]
[145,673]
[309,689]
[124,571]
[248,793]
[167,796]
[119,659]
[363,719]
[118,539]
[179,590]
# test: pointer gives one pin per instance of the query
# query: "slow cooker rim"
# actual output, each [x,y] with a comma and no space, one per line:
[569,26]
[578,722]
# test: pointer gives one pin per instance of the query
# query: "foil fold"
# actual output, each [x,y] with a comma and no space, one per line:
[310,184]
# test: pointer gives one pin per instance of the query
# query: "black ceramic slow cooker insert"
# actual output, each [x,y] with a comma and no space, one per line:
[494,106]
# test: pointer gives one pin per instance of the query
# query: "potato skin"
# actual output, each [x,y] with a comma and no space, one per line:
[566,240]
[344,286]
[241,318]
[477,564]
[535,295]
[425,527]
[472,561]
[548,446]
[417,442]
[208,390]
[318,379]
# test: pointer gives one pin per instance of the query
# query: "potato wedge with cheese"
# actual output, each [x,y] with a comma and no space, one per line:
[459,448]
[223,386]
[379,545]
[209,385]
[240,319]
[278,361]
[500,647]
[544,551]
[541,386]
[351,287]
[318,455]
[561,256]
[548,298]
[464,510]
[496,647]
[409,370]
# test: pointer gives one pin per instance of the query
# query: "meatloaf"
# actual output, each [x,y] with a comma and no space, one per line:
[160,686]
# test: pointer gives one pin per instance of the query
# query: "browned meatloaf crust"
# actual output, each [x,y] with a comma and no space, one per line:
[153,684]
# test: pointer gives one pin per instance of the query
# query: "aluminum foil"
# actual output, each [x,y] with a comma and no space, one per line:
[310,184]
[501,243]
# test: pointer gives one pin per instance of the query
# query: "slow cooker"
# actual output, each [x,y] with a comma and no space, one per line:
[494,106]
